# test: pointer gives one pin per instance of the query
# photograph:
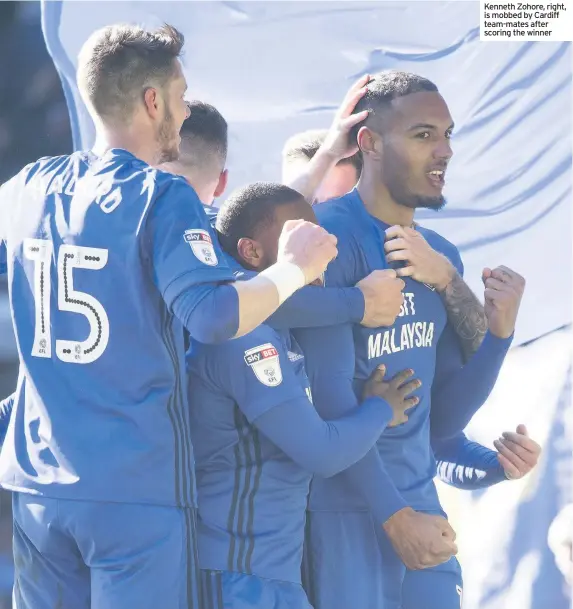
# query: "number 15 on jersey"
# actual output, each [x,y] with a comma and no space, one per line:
[69,257]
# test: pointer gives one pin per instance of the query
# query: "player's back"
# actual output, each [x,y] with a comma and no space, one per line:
[100,411]
[252,496]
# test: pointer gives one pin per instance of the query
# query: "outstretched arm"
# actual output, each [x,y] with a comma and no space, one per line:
[469,465]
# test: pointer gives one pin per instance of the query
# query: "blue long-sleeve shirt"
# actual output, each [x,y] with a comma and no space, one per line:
[467,465]
[401,470]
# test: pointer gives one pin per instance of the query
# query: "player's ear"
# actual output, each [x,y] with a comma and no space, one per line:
[152,102]
[222,185]
[250,251]
[369,142]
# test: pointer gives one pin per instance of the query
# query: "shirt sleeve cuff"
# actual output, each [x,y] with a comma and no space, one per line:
[380,406]
[493,342]
[387,505]
[356,304]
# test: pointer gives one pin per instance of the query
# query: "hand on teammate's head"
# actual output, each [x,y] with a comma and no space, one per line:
[337,142]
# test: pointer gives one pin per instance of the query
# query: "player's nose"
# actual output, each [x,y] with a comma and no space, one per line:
[443,150]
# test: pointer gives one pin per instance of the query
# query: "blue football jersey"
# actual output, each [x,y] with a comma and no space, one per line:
[410,343]
[3,260]
[252,496]
[97,250]
[211,212]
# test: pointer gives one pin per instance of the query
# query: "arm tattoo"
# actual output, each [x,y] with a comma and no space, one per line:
[466,314]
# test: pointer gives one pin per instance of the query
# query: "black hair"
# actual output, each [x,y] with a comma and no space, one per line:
[204,133]
[249,210]
[382,89]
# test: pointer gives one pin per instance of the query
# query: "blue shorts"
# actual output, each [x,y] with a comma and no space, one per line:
[439,587]
[342,564]
[89,555]
[349,562]
[231,590]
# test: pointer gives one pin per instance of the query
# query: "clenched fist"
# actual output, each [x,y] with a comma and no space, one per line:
[421,540]
[503,292]
[308,246]
[383,298]
[423,263]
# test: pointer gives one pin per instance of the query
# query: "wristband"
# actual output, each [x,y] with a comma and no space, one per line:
[287,277]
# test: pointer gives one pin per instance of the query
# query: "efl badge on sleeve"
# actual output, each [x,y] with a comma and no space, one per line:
[202,245]
[264,360]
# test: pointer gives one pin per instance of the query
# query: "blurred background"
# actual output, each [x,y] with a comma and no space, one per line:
[276,68]
[34,122]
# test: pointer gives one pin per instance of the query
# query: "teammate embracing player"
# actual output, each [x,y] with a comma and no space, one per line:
[405,149]
[108,259]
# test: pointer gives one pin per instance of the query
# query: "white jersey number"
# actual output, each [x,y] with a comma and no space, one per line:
[69,257]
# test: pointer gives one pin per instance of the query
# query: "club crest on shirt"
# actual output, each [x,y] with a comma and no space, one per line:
[264,361]
[202,245]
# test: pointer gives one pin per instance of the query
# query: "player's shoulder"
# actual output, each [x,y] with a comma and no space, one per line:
[262,336]
[120,168]
[227,352]
[174,185]
[440,243]
[341,218]
[171,195]
[37,171]
[259,358]
[215,361]
[211,212]
[239,272]
[336,213]
[55,174]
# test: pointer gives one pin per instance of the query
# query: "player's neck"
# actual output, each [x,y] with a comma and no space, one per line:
[107,139]
[380,204]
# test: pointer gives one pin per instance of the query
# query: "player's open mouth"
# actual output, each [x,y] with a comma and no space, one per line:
[437,177]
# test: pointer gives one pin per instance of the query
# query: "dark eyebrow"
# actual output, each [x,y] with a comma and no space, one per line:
[427,126]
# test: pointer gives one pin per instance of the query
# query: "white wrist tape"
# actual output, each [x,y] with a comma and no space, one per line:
[287,277]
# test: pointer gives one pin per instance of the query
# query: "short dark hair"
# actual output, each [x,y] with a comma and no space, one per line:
[304,145]
[382,89]
[119,62]
[249,210]
[204,135]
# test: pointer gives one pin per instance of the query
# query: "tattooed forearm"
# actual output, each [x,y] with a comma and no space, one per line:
[466,314]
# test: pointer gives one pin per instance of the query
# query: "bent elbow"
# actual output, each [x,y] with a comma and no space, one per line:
[324,468]
[213,333]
